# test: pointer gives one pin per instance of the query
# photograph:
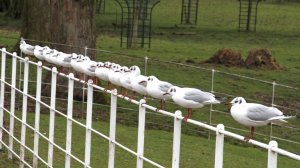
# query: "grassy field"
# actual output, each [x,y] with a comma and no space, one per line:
[277,30]
[195,151]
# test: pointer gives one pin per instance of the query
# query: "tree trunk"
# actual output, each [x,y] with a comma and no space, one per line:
[4,5]
[36,20]
[68,22]
[135,24]
[15,9]
[74,24]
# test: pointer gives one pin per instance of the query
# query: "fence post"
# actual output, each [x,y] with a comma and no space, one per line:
[272,156]
[3,61]
[219,146]
[146,64]
[273,99]
[176,140]
[141,134]
[112,128]
[37,114]
[24,111]
[20,77]
[69,121]
[89,111]
[211,106]
[52,116]
[12,104]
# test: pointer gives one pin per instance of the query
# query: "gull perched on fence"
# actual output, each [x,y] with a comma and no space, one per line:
[26,48]
[50,55]
[157,89]
[191,98]
[102,71]
[138,81]
[38,52]
[113,72]
[125,81]
[253,114]
[64,60]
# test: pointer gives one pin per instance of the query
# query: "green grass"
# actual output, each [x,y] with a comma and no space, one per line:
[277,30]
[195,151]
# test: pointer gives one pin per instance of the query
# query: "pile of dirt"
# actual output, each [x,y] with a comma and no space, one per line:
[257,58]
[261,58]
[227,57]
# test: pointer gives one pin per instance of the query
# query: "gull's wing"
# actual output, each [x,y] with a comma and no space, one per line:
[260,112]
[198,96]
[164,86]
[30,48]
[67,59]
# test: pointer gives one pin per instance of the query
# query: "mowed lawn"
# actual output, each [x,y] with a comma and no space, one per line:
[195,151]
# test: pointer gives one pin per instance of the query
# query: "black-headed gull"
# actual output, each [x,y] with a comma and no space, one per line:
[63,60]
[125,81]
[157,89]
[102,71]
[115,69]
[50,55]
[191,98]
[26,48]
[76,63]
[253,114]
[88,67]
[38,52]
[138,81]
[115,74]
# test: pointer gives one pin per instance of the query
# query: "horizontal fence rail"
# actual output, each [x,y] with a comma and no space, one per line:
[220,131]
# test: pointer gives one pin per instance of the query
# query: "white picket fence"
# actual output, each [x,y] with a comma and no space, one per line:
[272,148]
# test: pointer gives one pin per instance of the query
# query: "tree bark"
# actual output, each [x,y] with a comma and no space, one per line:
[36,20]
[73,23]
[68,22]
[4,5]
[15,9]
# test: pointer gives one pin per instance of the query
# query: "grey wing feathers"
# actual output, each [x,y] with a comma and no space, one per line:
[92,68]
[198,96]
[67,59]
[30,48]
[260,112]
[164,87]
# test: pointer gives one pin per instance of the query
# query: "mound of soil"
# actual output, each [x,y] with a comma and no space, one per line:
[261,58]
[227,57]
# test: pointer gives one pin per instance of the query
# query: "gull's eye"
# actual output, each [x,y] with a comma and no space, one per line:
[236,101]
[240,101]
